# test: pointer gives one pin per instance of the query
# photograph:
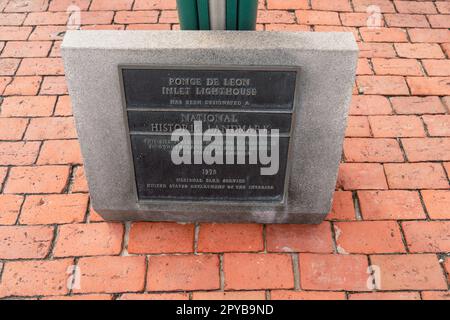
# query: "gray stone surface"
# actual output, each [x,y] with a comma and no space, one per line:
[327,63]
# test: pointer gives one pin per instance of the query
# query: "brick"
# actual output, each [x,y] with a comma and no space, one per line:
[390,205]
[53,85]
[103,27]
[437,203]
[439,21]
[363,67]
[416,176]
[406,295]
[148,27]
[3,172]
[96,17]
[417,105]
[12,129]
[46,18]
[24,242]
[95,216]
[372,150]
[161,237]
[343,207]
[361,176]
[409,272]
[415,7]
[435,295]
[12,33]
[63,106]
[333,272]
[317,17]
[446,101]
[8,67]
[12,19]
[111,274]
[23,86]
[44,179]
[299,238]
[427,149]
[383,34]
[385,85]
[396,126]
[406,20]
[9,208]
[37,106]
[447,167]
[229,295]
[429,35]
[18,153]
[258,271]
[358,127]
[337,5]
[126,17]
[56,49]
[427,236]
[437,125]
[419,50]
[356,19]
[92,239]
[443,6]
[287,4]
[51,128]
[80,297]
[33,278]
[154,5]
[54,209]
[370,105]
[60,152]
[41,67]
[223,238]
[368,237]
[437,67]
[438,86]
[376,50]
[62,5]
[385,6]
[275,16]
[48,33]
[168,16]
[154,296]
[4,82]
[26,5]
[79,183]
[287,27]
[186,272]
[306,295]
[406,67]
[111,5]
[26,49]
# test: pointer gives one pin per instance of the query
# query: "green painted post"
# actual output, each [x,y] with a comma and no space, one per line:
[247,14]
[188,14]
[203,14]
[232,14]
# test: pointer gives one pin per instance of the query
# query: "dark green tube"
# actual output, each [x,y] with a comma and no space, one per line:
[203,14]
[232,14]
[247,13]
[188,14]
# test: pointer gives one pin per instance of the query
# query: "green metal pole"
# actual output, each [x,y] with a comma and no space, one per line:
[188,14]
[203,14]
[247,14]
[232,14]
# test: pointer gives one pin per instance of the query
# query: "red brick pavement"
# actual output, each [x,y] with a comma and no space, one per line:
[387,237]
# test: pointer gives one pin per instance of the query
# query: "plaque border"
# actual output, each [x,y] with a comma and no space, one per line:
[227,67]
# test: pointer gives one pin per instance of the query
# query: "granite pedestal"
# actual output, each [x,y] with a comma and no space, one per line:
[324,65]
